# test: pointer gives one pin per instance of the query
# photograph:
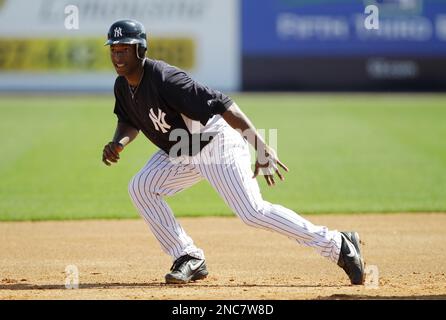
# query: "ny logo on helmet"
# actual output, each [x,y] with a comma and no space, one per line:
[118,32]
[158,120]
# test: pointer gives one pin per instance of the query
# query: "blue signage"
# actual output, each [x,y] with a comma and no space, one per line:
[344,27]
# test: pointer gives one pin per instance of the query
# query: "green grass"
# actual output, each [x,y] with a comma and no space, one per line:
[346,152]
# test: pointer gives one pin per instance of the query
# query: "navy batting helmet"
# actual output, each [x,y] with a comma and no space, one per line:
[127,32]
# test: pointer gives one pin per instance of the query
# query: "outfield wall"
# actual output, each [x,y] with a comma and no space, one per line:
[333,45]
[231,45]
[39,52]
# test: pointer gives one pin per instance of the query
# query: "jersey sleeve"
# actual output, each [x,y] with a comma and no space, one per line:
[119,109]
[194,100]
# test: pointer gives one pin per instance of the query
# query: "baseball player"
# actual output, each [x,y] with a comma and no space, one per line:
[201,134]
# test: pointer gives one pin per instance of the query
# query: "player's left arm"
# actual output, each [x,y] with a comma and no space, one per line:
[267,159]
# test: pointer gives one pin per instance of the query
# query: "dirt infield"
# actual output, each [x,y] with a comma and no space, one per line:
[121,260]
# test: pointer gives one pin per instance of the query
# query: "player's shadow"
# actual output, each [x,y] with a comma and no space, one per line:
[86,286]
[377,297]
[28,286]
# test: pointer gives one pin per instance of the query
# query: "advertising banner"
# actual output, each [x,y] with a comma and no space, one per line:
[58,44]
[344,44]
[339,27]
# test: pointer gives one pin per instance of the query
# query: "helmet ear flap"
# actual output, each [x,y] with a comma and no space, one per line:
[140,52]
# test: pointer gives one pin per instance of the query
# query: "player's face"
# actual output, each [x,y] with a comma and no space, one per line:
[124,59]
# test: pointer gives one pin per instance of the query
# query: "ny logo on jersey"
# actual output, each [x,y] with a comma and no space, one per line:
[118,32]
[158,120]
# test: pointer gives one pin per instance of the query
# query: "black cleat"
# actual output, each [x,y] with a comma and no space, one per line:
[350,257]
[185,269]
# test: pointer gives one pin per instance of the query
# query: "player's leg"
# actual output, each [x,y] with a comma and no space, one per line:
[228,169]
[158,178]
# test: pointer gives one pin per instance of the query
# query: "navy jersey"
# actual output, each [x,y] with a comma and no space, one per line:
[164,101]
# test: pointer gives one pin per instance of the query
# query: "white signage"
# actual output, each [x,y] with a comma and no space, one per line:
[210,26]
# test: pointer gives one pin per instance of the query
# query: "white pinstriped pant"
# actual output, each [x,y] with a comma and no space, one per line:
[225,164]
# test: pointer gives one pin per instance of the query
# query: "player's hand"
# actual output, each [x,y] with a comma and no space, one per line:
[268,163]
[111,152]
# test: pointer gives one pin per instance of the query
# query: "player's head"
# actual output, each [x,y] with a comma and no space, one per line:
[128,44]
[128,32]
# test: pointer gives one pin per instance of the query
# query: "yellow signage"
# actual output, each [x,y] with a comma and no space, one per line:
[84,54]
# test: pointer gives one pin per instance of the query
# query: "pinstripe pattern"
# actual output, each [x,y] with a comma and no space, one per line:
[225,163]
[160,177]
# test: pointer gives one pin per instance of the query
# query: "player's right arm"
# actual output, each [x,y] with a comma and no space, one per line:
[124,134]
